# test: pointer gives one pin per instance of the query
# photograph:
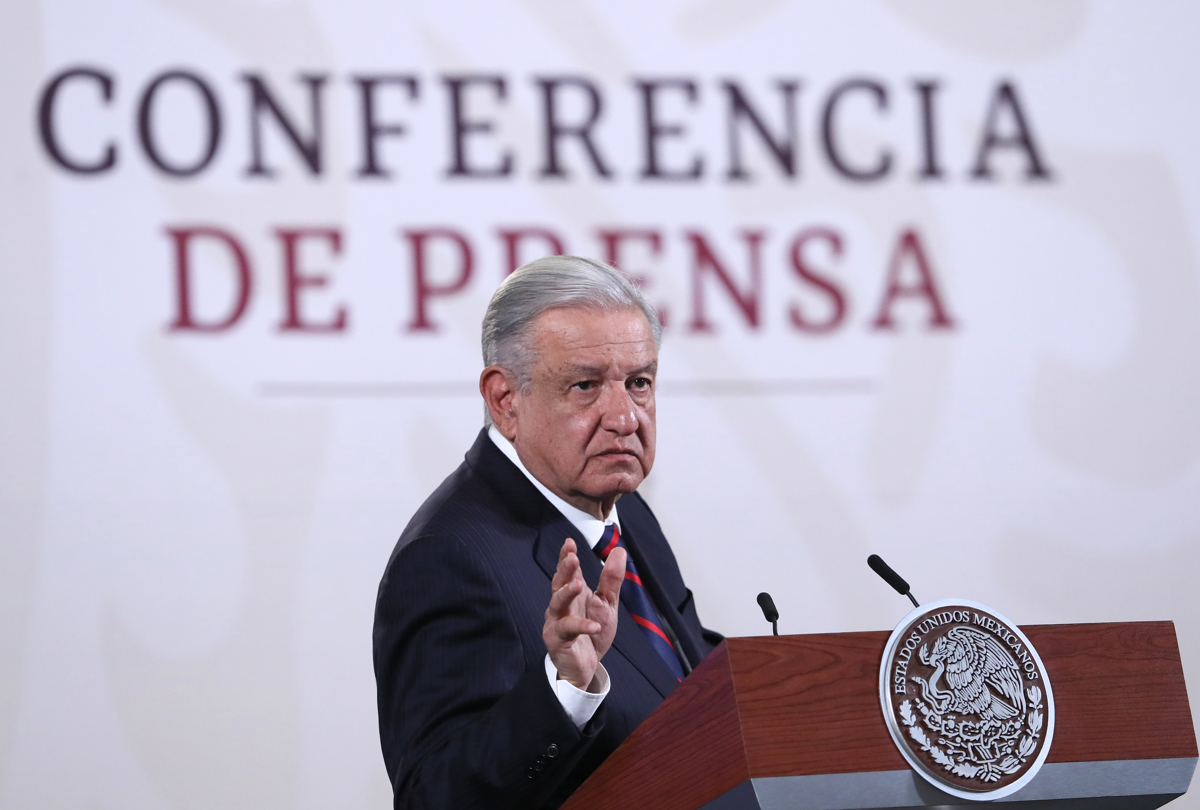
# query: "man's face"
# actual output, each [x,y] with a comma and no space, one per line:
[585,429]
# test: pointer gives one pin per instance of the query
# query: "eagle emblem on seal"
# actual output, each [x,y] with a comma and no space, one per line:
[966,699]
[982,676]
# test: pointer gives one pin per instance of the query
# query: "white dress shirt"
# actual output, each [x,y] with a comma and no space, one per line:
[579,705]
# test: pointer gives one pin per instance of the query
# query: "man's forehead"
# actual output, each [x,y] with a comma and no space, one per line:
[590,337]
[574,327]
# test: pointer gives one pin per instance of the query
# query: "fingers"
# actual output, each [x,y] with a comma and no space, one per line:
[568,628]
[561,599]
[609,587]
[561,623]
[568,565]
[567,583]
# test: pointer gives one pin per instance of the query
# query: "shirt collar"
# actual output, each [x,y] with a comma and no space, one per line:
[588,526]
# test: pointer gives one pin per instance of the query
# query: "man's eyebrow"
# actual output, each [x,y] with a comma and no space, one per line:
[600,371]
[586,371]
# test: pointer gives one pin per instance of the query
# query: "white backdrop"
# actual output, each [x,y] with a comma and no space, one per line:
[194,522]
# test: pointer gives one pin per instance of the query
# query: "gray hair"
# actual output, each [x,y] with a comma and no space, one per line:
[552,282]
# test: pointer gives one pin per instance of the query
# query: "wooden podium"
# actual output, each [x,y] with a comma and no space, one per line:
[795,722]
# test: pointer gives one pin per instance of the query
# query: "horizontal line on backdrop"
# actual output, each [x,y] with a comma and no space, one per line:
[700,388]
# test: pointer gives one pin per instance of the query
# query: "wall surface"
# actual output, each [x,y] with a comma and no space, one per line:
[928,271]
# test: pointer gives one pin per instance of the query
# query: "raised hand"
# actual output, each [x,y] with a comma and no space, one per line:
[604,605]
[580,624]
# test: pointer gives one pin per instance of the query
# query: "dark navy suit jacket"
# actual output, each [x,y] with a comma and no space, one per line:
[467,717]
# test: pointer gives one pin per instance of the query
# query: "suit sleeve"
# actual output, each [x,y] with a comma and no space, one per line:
[464,721]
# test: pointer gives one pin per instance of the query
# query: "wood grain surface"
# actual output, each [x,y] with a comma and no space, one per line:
[1118,691]
[687,752]
[799,705]
[810,704]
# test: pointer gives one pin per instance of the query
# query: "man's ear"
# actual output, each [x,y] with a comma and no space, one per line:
[499,390]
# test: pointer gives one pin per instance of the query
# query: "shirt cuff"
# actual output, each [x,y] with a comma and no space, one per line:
[579,705]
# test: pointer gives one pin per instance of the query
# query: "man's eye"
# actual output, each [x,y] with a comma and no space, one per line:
[639,383]
[585,385]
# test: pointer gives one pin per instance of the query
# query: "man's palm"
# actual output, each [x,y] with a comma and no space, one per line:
[580,624]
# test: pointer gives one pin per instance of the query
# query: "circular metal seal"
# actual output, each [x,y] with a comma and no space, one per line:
[967,699]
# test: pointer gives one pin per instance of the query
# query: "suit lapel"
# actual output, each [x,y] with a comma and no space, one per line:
[554,530]
[630,642]
[645,539]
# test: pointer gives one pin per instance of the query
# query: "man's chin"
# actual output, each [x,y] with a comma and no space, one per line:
[613,484]
[615,465]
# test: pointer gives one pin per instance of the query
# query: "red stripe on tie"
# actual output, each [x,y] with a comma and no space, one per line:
[632,577]
[613,544]
[649,625]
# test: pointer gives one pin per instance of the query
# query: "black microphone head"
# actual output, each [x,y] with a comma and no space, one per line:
[768,607]
[889,576]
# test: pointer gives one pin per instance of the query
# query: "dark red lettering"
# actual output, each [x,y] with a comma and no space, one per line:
[185,319]
[515,236]
[425,289]
[705,262]
[827,286]
[296,280]
[909,251]
[613,239]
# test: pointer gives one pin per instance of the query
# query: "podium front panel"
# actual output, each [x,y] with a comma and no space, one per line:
[795,722]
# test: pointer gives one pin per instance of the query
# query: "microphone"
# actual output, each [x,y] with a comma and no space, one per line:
[890,577]
[769,612]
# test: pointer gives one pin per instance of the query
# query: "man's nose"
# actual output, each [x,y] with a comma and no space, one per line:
[617,411]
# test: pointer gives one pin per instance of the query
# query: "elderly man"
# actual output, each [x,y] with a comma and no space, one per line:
[526,622]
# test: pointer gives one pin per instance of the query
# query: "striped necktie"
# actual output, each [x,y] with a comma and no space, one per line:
[637,601]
